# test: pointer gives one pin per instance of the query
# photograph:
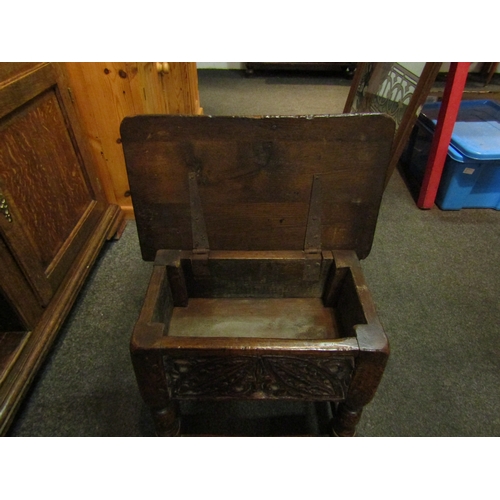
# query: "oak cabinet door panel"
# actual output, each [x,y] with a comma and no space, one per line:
[50,206]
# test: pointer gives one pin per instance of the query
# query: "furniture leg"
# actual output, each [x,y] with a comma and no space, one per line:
[152,382]
[345,419]
[364,383]
[167,420]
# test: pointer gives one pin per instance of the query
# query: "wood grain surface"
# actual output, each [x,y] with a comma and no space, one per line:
[261,318]
[232,208]
[39,163]
[57,219]
[255,178]
[107,92]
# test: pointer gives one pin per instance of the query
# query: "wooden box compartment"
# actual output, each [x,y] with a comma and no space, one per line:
[234,299]
[256,227]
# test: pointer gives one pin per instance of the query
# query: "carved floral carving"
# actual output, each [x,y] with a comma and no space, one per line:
[258,377]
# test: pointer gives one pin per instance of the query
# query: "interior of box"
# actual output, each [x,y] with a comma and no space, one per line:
[253,209]
[240,300]
[260,318]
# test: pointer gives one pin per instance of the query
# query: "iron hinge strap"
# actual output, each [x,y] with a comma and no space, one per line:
[312,243]
[201,249]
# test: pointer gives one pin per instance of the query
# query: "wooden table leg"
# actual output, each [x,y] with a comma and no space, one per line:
[152,382]
[345,420]
[166,420]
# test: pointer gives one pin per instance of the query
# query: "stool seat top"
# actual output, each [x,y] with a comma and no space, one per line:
[254,178]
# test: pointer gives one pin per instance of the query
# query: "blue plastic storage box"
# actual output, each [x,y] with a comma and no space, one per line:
[471,176]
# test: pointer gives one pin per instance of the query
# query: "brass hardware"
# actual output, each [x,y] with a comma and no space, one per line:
[162,67]
[4,208]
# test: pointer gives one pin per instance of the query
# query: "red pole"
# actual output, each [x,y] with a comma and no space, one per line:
[455,84]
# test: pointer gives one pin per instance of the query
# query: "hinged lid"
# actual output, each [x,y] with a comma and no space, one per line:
[254,179]
[476,133]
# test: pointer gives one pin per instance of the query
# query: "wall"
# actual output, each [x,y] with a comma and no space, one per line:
[220,65]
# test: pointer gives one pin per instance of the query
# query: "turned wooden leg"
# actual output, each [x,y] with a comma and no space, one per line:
[345,419]
[167,420]
[152,382]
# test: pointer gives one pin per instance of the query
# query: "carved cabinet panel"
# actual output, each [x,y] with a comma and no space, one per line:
[49,204]
[54,219]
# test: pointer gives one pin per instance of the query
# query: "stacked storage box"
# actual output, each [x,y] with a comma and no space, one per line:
[471,176]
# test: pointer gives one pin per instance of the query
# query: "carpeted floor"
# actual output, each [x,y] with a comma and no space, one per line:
[434,276]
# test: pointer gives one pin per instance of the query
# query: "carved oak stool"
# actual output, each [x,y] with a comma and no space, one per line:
[256,227]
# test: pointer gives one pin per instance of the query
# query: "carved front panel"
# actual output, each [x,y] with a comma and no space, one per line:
[49,208]
[258,377]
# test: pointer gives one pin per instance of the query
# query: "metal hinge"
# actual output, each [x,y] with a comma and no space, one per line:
[312,243]
[199,259]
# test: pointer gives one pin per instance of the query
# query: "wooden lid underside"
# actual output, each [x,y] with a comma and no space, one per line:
[254,178]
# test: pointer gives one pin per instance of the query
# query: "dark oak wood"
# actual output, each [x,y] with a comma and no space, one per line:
[17,290]
[43,179]
[10,344]
[254,178]
[53,220]
[257,292]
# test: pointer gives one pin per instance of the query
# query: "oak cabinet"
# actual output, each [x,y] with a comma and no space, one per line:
[54,218]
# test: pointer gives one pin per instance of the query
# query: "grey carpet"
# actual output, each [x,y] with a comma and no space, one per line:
[433,275]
